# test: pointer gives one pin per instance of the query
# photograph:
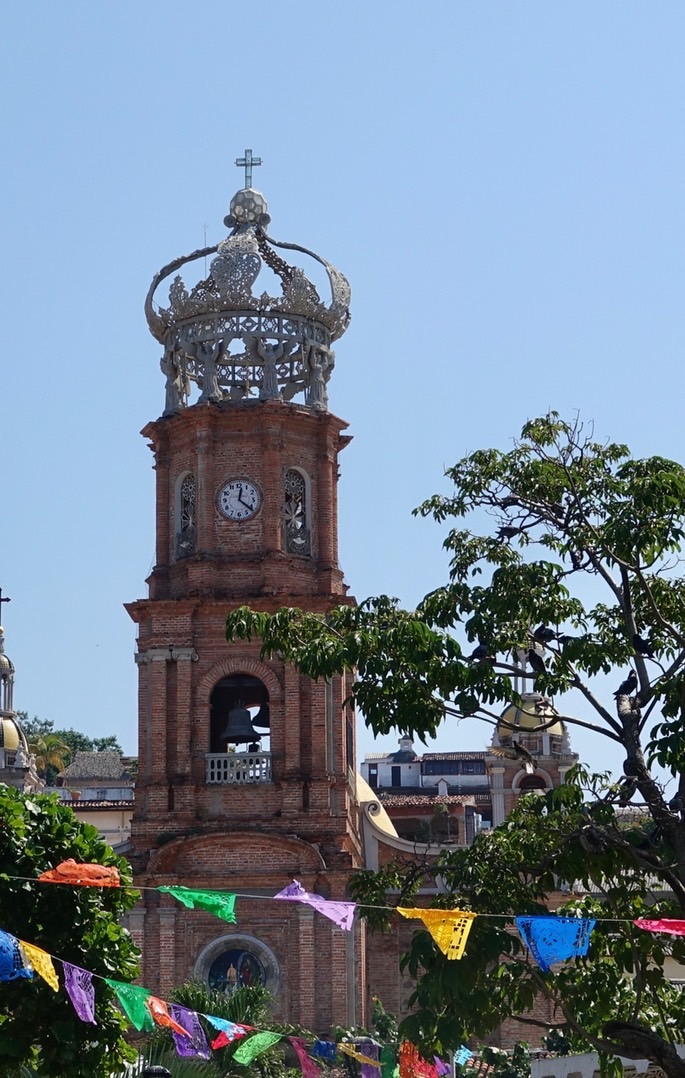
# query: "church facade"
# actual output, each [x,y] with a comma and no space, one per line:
[247,774]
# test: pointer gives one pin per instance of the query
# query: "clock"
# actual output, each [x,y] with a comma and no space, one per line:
[239,499]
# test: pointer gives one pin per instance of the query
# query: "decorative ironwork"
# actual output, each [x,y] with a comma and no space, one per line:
[223,338]
[238,767]
[298,539]
[185,540]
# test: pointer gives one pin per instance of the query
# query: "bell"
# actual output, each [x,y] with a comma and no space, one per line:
[262,717]
[239,727]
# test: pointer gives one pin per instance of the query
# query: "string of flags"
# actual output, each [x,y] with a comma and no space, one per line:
[549,938]
[20,959]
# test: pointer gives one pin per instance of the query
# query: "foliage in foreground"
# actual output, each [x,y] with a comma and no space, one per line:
[512,870]
[579,572]
[78,924]
[250,1005]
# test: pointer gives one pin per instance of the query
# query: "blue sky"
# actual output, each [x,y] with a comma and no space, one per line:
[502,182]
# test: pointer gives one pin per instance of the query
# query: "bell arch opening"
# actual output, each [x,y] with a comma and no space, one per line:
[239,720]
[532,783]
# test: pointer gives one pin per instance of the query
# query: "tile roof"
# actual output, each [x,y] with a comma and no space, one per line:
[479,1067]
[425,800]
[370,757]
[479,790]
[96,765]
[92,805]
[454,755]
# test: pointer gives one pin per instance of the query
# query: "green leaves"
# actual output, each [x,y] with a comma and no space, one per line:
[398,658]
[574,536]
[578,536]
[80,925]
[512,870]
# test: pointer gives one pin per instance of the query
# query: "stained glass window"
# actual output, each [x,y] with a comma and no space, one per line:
[235,968]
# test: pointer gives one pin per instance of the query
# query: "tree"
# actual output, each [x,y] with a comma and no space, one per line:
[81,925]
[74,739]
[79,742]
[250,1005]
[54,749]
[579,570]
[52,754]
[35,727]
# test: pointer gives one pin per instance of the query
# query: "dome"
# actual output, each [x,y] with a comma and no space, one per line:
[535,711]
[12,735]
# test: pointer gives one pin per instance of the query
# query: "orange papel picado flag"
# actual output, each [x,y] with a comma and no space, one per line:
[159,1010]
[449,928]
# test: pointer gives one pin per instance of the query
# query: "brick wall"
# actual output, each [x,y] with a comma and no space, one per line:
[252,839]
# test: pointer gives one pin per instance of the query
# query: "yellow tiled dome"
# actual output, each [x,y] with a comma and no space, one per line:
[11,734]
[535,711]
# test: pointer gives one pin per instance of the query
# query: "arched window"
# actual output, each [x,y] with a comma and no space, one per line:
[236,961]
[298,535]
[185,516]
[239,713]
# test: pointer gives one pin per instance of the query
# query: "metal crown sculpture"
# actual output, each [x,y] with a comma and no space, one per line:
[226,341]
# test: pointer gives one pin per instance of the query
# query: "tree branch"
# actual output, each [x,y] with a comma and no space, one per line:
[658,616]
[598,1043]
[592,699]
[499,721]
[631,629]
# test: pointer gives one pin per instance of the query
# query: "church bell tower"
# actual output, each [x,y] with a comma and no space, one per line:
[246,769]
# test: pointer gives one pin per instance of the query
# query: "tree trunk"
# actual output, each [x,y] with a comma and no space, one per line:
[639,1042]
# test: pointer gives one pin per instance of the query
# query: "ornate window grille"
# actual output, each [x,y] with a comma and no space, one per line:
[185,538]
[298,537]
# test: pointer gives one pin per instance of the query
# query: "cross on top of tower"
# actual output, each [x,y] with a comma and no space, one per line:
[247,162]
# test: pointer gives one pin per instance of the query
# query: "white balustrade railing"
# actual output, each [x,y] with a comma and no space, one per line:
[238,767]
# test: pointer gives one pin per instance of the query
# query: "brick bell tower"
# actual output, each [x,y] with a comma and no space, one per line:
[246,769]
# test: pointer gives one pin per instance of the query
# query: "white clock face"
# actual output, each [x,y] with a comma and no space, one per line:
[239,499]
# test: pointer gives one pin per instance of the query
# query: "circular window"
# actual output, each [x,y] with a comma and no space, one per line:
[237,961]
[235,969]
